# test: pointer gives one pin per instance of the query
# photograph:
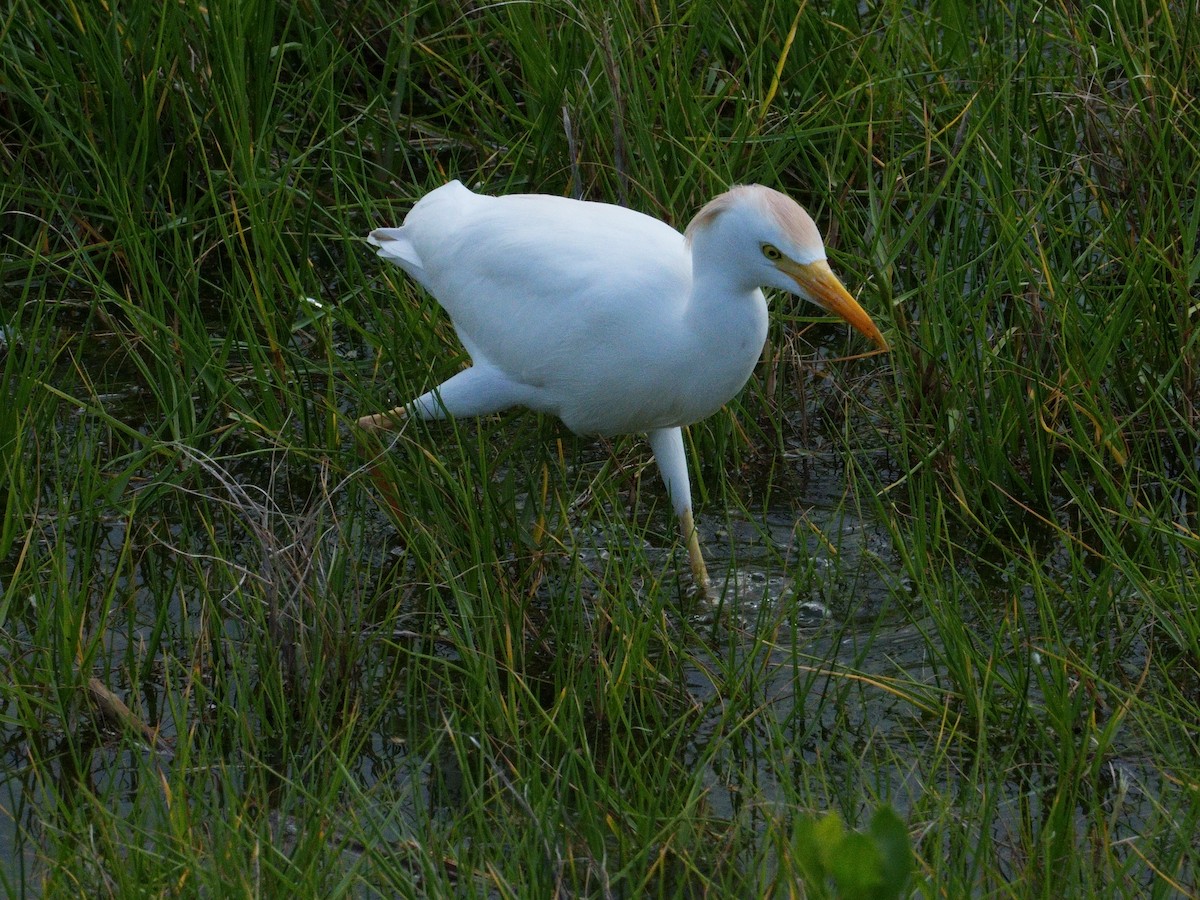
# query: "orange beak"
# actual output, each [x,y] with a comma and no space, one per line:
[818,283]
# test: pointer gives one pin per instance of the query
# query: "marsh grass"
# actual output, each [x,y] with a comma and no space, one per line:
[462,661]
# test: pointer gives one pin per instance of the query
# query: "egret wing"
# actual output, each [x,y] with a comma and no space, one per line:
[535,283]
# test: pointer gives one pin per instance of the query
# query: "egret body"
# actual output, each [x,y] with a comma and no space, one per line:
[607,318]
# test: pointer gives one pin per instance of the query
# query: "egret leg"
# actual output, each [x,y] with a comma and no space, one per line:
[477,391]
[687,527]
[667,444]
[384,421]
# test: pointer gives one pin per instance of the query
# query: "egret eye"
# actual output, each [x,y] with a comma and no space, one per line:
[771,252]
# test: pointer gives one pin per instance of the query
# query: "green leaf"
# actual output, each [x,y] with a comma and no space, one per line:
[895,851]
[857,870]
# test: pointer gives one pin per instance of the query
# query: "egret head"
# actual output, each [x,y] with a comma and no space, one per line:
[775,243]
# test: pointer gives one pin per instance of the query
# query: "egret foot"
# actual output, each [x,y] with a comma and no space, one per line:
[384,421]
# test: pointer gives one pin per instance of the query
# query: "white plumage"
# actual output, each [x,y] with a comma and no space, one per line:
[605,317]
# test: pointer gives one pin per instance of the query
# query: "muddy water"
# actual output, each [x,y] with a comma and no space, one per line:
[818,604]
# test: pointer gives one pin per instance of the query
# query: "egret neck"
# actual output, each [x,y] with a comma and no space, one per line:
[726,317]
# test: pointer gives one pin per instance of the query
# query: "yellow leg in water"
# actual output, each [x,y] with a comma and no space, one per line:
[384,421]
[687,526]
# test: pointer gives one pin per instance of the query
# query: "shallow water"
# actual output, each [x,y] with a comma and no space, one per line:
[815,598]
[827,629]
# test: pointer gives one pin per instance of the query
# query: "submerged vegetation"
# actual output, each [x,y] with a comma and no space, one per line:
[244,651]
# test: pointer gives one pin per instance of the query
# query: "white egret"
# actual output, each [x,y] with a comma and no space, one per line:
[605,317]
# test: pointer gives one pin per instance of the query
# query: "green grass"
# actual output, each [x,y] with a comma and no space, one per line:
[464,663]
